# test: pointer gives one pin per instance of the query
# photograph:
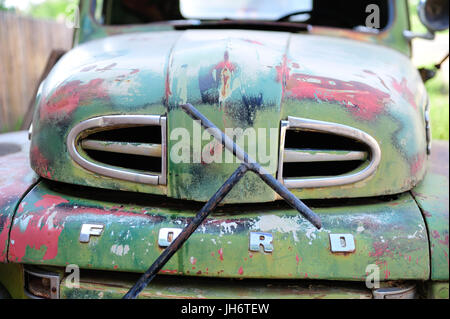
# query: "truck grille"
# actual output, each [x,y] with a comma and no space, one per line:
[322,154]
[126,147]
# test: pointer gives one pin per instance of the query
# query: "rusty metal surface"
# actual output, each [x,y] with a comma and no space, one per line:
[432,196]
[163,287]
[16,176]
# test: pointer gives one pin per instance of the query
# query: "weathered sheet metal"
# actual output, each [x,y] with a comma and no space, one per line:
[11,277]
[238,79]
[16,176]
[391,234]
[432,197]
[173,288]
[437,290]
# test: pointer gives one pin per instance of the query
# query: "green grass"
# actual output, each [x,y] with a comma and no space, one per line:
[439,96]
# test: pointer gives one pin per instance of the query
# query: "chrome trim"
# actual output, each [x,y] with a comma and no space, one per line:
[333,128]
[118,121]
[54,282]
[167,235]
[283,127]
[30,131]
[427,118]
[304,155]
[163,176]
[143,149]
[408,292]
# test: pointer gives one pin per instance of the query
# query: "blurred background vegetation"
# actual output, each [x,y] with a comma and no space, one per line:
[39,9]
[425,53]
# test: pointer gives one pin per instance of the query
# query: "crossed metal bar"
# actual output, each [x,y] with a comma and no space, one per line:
[247,164]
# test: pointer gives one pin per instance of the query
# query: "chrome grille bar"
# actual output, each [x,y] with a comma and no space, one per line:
[308,155]
[152,150]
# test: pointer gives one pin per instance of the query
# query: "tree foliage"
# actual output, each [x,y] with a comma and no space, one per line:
[2,5]
[50,9]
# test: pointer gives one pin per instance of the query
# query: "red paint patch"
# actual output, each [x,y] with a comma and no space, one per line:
[220,252]
[40,163]
[359,98]
[241,271]
[403,89]
[5,223]
[435,234]
[417,164]
[427,213]
[50,200]
[166,271]
[69,96]
[21,206]
[445,241]
[380,249]
[41,231]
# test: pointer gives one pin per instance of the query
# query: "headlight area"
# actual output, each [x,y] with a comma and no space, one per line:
[43,283]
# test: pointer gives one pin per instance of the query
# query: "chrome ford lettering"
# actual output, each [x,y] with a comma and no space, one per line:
[88,230]
[167,235]
[264,240]
[342,243]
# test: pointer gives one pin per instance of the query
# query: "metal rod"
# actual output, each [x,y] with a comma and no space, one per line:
[292,200]
[229,144]
[212,203]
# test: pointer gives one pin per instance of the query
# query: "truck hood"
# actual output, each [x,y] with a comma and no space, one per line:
[238,79]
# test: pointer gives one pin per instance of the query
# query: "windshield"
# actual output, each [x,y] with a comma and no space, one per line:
[242,9]
[349,14]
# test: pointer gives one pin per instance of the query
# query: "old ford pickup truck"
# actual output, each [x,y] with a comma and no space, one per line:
[162,105]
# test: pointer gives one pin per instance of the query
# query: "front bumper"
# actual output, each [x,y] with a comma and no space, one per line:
[389,235]
[113,285]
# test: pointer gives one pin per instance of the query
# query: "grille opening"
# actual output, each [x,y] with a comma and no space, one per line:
[314,154]
[298,139]
[319,169]
[125,147]
[128,161]
[136,134]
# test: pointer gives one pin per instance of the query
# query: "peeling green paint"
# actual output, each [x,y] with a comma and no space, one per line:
[391,235]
